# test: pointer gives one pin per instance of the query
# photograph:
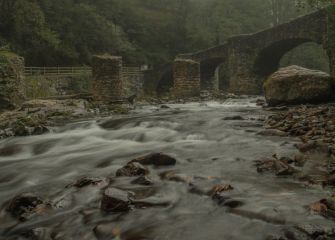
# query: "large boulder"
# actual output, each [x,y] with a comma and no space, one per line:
[296,85]
[11,80]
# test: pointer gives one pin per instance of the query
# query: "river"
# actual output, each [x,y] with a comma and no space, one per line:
[204,144]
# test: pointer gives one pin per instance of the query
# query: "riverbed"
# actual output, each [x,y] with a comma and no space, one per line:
[208,147]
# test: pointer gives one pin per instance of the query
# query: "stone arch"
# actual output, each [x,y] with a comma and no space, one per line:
[165,82]
[268,59]
[207,73]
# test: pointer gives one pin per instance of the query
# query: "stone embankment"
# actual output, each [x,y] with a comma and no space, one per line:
[36,117]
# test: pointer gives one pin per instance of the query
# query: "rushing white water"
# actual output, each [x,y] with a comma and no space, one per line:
[204,144]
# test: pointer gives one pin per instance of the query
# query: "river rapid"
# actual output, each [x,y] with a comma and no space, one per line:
[206,146]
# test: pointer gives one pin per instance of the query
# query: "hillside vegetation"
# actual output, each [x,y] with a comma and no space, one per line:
[68,32]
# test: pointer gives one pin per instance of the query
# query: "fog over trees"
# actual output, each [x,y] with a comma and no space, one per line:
[68,32]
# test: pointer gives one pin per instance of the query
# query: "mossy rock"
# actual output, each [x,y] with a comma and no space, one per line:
[5,57]
[65,114]
[119,109]
[8,54]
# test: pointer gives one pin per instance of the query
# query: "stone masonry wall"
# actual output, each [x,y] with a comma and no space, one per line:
[11,80]
[330,42]
[107,78]
[186,75]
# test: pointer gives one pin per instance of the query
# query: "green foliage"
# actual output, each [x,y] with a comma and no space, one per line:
[69,32]
[4,57]
[37,87]
[315,3]
[118,109]
[308,55]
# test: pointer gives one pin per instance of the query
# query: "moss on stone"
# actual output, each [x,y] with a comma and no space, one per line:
[331,9]
[64,114]
[8,54]
[5,56]
[119,109]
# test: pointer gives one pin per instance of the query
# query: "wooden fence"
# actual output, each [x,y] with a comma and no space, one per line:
[57,71]
[127,71]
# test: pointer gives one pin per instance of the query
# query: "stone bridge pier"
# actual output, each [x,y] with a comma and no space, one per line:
[107,78]
[186,75]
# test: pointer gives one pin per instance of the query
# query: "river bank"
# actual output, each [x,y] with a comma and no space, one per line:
[212,190]
[39,116]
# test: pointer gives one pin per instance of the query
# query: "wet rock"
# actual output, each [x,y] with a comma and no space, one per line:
[115,200]
[234,118]
[273,132]
[132,169]
[21,131]
[300,160]
[156,159]
[219,189]
[231,203]
[143,180]
[314,147]
[150,202]
[88,181]
[39,130]
[306,232]
[107,231]
[265,165]
[281,167]
[325,207]
[284,169]
[38,234]
[330,202]
[280,108]
[10,150]
[164,107]
[295,85]
[312,230]
[219,194]
[224,200]
[176,177]
[313,124]
[260,102]
[26,205]
[331,180]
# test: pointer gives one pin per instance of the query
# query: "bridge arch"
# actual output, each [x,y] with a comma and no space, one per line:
[268,59]
[208,69]
[165,80]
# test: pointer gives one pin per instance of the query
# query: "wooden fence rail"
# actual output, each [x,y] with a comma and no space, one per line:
[57,71]
[74,71]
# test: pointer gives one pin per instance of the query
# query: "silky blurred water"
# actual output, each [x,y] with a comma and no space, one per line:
[204,144]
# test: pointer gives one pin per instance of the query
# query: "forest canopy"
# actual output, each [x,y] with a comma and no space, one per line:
[69,32]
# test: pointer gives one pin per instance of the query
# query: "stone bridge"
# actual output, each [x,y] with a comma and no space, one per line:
[248,60]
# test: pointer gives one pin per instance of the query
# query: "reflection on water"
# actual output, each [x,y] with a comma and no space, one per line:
[196,134]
